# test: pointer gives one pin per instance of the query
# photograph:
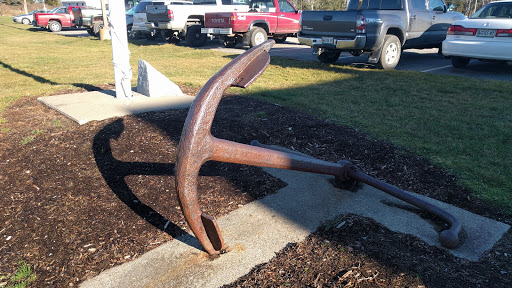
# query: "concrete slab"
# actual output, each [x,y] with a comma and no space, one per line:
[258,230]
[101,105]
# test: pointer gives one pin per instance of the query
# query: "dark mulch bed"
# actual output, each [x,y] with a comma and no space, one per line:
[80,199]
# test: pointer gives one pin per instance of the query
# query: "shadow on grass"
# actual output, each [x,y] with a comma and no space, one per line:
[43,80]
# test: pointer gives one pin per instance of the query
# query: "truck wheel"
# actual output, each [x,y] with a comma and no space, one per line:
[390,54]
[280,39]
[91,32]
[258,36]
[459,62]
[54,26]
[129,30]
[229,42]
[194,36]
[25,21]
[329,56]
[97,27]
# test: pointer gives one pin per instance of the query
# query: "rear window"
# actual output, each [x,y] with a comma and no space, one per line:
[354,5]
[494,10]
[141,7]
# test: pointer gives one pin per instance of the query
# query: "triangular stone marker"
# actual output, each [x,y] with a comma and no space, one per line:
[152,83]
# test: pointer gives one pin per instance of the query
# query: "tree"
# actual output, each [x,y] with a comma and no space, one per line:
[53,2]
[320,5]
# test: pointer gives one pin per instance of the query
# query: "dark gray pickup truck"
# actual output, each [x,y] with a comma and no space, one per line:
[377,28]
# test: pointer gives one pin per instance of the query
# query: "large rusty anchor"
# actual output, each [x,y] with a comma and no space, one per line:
[197,146]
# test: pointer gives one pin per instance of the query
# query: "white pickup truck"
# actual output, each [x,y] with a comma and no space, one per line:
[178,22]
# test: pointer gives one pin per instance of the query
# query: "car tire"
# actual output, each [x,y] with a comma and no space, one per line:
[97,27]
[280,39]
[390,53]
[194,37]
[91,32]
[229,42]
[25,21]
[258,36]
[55,26]
[329,56]
[460,62]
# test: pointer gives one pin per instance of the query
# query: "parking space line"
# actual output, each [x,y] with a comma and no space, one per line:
[438,68]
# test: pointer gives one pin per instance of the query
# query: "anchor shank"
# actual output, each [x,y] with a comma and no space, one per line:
[232,152]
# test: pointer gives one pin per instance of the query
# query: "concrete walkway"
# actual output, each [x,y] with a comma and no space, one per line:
[101,105]
[258,230]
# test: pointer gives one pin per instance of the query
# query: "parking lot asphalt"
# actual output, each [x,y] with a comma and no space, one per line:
[420,60]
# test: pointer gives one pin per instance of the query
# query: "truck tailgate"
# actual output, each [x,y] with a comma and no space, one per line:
[217,20]
[332,23]
[157,13]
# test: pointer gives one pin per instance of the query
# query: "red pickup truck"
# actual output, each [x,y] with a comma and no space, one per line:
[61,17]
[276,18]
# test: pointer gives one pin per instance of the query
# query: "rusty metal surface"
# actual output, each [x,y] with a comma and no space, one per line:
[198,146]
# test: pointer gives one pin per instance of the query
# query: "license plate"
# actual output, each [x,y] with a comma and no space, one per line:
[486,32]
[327,40]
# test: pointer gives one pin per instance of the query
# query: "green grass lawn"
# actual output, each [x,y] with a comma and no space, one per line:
[461,124]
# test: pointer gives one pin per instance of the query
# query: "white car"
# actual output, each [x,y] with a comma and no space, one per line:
[486,35]
[27,18]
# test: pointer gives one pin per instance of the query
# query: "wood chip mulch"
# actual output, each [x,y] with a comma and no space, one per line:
[77,200]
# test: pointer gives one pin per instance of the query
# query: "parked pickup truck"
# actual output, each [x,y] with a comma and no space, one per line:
[178,22]
[277,18]
[89,18]
[55,21]
[378,28]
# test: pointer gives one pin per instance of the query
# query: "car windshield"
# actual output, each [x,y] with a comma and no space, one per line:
[494,10]
[53,10]
[130,12]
